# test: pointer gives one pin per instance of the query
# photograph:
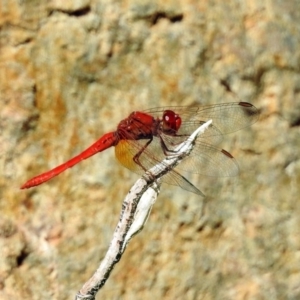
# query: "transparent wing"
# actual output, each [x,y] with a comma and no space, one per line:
[208,160]
[126,150]
[226,118]
[205,159]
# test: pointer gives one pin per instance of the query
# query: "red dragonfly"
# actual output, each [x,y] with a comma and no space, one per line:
[145,138]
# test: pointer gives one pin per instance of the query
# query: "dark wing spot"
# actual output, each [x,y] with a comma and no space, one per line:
[226,153]
[245,104]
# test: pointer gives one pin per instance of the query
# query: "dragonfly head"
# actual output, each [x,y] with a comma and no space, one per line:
[171,122]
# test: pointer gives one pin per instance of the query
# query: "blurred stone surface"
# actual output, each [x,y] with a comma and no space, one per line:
[71,70]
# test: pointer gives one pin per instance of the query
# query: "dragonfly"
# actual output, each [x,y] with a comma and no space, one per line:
[145,138]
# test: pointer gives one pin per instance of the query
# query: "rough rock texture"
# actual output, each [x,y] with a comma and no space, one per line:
[70,70]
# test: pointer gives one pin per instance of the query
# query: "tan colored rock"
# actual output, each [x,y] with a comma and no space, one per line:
[71,70]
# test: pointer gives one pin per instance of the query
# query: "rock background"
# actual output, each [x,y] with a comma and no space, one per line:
[70,70]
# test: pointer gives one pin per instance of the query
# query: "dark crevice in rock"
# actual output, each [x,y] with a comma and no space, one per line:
[21,258]
[296,122]
[154,18]
[31,122]
[75,13]
[81,12]
[226,85]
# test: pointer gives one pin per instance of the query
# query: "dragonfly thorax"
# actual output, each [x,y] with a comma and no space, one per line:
[137,126]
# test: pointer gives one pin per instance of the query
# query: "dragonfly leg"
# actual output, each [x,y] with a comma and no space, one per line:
[164,147]
[136,158]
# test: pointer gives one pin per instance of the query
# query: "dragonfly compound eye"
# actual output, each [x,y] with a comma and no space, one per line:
[171,121]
